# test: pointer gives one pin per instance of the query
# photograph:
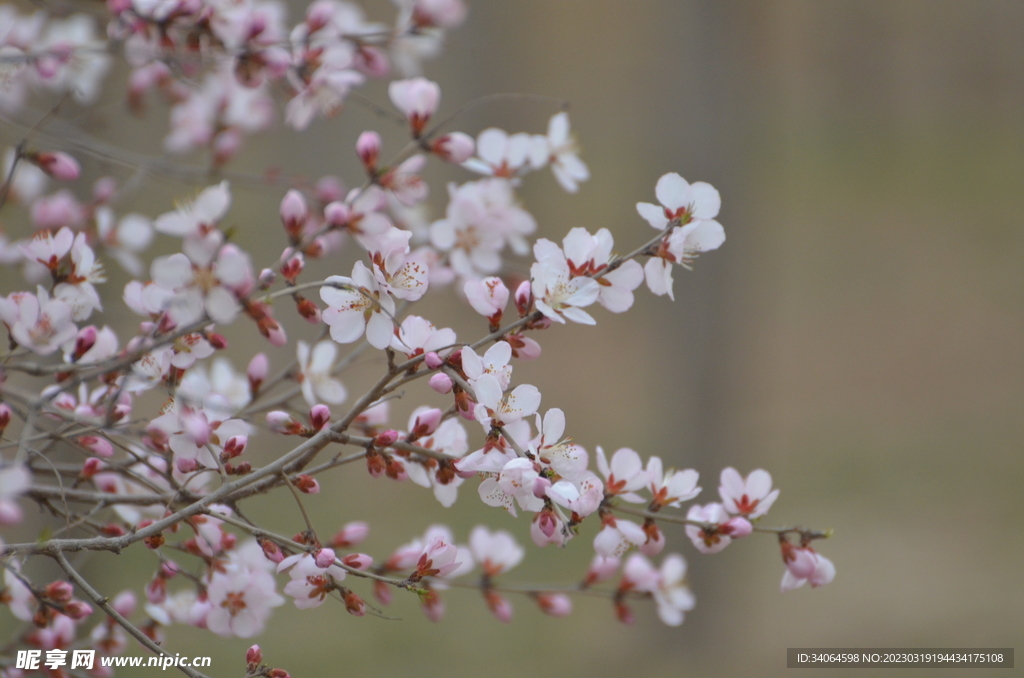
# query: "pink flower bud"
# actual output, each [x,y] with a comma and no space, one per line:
[104,189]
[499,605]
[271,551]
[441,383]
[426,422]
[282,422]
[84,341]
[291,268]
[319,416]
[217,340]
[307,484]
[354,604]
[90,468]
[433,360]
[5,416]
[257,372]
[554,604]
[655,543]
[185,465]
[59,591]
[124,603]
[523,348]
[77,610]
[382,592]
[235,446]
[439,13]
[524,298]
[99,446]
[800,561]
[359,561]
[417,99]
[350,535]
[58,165]
[337,213]
[329,189]
[253,658]
[308,310]
[368,148]
[266,278]
[293,212]
[737,527]
[386,438]
[455,147]
[324,558]
[278,673]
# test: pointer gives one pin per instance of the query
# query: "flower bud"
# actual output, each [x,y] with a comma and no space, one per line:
[499,606]
[359,561]
[441,383]
[5,416]
[217,340]
[257,372]
[58,165]
[124,603]
[386,438]
[800,561]
[319,416]
[737,527]
[455,147]
[253,658]
[329,188]
[554,604]
[59,591]
[417,99]
[235,446]
[524,298]
[426,422]
[84,341]
[271,551]
[99,446]
[354,604]
[307,484]
[293,212]
[292,267]
[350,535]
[324,558]
[307,309]
[77,610]
[186,465]
[282,422]
[433,360]
[90,468]
[368,149]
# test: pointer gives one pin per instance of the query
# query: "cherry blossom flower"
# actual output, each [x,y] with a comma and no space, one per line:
[618,536]
[496,552]
[310,582]
[556,293]
[751,497]
[561,147]
[566,458]
[125,240]
[357,308]
[821,571]
[680,200]
[197,217]
[203,285]
[418,335]
[240,602]
[670,488]
[714,538]
[496,408]
[624,475]
[417,99]
[672,595]
[591,254]
[503,155]
[318,386]
[493,362]
[37,322]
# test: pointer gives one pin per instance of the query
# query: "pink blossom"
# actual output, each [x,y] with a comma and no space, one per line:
[562,151]
[807,565]
[37,322]
[624,475]
[751,497]
[497,552]
[670,488]
[318,385]
[417,99]
[711,539]
[240,602]
[357,305]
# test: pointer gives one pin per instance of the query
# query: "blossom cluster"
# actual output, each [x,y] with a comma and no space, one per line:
[88,444]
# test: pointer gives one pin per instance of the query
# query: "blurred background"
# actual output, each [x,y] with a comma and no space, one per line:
[859,335]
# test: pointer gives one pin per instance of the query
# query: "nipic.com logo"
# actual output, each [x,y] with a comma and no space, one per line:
[34,660]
